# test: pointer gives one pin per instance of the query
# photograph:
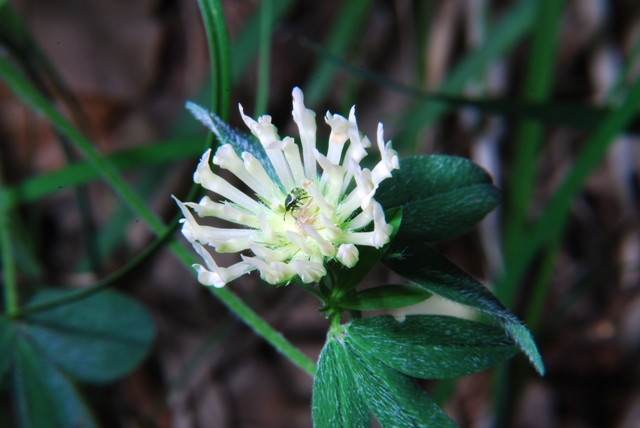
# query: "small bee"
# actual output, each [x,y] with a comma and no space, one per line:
[294,200]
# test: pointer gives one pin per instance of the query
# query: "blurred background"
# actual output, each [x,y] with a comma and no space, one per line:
[543,94]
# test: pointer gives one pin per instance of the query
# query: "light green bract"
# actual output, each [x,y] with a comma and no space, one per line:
[294,226]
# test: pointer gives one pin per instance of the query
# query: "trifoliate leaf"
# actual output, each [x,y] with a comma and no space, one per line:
[98,339]
[336,401]
[428,269]
[431,347]
[442,196]
[394,399]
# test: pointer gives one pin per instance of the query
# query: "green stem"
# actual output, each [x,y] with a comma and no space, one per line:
[335,320]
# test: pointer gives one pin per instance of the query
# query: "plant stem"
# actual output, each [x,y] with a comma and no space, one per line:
[335,321]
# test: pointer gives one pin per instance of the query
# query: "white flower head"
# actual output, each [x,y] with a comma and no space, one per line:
[298,220]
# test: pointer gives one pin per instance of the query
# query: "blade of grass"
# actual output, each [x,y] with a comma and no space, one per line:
[244,46]
[24,91]
[537,88]
[556,212]
[511,28]
[264,57]
[345,30]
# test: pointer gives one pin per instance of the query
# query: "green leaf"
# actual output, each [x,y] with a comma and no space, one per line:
[385,297]
[336,402]
[395,399]
[6,344]
[442,196]
[241,142]
[348,279]
[436,274]
[97,339]
[431,347]
[45,397]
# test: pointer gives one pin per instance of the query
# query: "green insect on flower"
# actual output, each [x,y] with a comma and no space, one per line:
[294,200]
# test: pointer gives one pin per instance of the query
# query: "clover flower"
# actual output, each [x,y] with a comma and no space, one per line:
[297,223]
